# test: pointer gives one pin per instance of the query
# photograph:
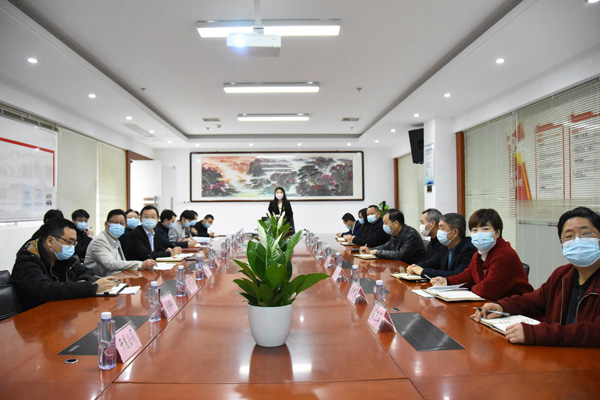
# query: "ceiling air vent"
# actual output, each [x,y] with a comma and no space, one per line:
[211,119]
[139,131]
[350,119]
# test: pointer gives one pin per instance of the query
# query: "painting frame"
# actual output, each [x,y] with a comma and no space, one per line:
[323,175]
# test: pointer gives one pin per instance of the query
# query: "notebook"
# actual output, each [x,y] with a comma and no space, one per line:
[453,293]
[409,277]
[114,291]
[177,258]
[500,324]
[366,256]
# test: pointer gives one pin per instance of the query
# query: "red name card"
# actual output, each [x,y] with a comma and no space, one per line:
[338,273]
[327,262]
[380,319]
[127,341]
[357,294]
[190,285]
[168,305]
[207,272]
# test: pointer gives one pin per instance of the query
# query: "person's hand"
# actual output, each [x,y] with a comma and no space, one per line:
[90,233]
[348,238]
[192,243]
[439,281]
[149,264]
[338,235]
[193,231]
[373,252]
[212,234]
[174,251]
[364,249]
[106,283]
[484,311]
[414,269]
[515,334]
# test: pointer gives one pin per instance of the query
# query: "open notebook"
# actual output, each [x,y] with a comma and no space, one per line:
[112,292]
[453,293]
[366,256]
[500,324]
[409,277]
[177,258]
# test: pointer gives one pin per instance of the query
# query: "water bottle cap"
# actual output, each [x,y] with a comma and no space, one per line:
[106,315]
[337,253]
[180,267]
[355,267]
[153,284]
[379,282]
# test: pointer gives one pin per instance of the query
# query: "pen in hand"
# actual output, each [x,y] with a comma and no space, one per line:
[428,277]
[504,314]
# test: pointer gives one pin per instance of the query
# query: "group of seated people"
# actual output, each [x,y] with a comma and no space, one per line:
[567,304]
[63,259]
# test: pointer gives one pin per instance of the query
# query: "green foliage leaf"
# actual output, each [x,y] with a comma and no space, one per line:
[276,275]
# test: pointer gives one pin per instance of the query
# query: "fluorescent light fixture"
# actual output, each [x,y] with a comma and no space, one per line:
[299,87]
[272,117]
[287,27]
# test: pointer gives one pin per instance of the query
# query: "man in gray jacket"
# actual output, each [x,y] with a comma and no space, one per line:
[405,243]
[104,254]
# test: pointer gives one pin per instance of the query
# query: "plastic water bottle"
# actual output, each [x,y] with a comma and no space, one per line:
[328,251]
[337,261]
[154,302]
[379,292]
[107,350]
[180,281]
[212,262]
[198,271]
[355,277]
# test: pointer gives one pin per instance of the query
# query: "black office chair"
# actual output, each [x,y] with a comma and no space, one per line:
[9,304]
[526,267]
[4,277]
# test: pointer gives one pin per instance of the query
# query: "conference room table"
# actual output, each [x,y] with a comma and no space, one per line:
[206,349]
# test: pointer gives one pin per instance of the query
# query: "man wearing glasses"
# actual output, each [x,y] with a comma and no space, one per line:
[47,269]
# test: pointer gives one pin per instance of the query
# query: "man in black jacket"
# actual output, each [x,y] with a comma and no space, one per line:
[375,236]
[405,243]
[47,269]
[144,242]
[455,254]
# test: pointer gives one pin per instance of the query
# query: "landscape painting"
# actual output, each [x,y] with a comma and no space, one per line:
[254,176]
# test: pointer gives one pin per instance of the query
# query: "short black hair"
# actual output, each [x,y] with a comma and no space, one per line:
[187,214]
[130,210]
[55,227]
[116,211]
[149,208]
[80,214]
[485,216]
[395,215]
[348,217]
[455,221]
[53,214]
[195,213]
[375,207]
[582,212]
[167,214]
[433,214]
[209,216]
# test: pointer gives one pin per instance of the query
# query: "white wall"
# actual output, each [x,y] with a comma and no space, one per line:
[317,216]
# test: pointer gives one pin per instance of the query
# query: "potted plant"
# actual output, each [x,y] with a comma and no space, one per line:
[269,288]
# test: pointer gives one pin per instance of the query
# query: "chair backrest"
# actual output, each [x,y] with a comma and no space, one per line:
[4,277]
[426,243]
[526,267]
[9,304]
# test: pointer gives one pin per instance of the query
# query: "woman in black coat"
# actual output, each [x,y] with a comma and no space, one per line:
[281,205]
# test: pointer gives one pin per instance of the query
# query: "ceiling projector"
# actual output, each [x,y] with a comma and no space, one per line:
[254,44]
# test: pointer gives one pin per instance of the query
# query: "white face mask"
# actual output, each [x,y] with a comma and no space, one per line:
[423,230]
[279,196]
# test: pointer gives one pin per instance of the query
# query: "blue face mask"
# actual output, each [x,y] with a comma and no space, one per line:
[192,223]
[443,237]
[361,220]
[116,230]
[171,225]
[187,224]
[82,226]
[206,225]
[149,223]
[582,252]
[387,229]
[371,218]
[133,223]
[348,227]
[67,251]
[484,241]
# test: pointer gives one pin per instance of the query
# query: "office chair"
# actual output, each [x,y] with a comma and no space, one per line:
[4,277]
[526,267]
[9,305]
[426,244]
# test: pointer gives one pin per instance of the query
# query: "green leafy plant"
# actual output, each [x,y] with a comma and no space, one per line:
[268,272]
[383,207]
[275,225]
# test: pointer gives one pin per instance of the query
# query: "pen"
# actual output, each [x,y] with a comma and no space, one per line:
[504,314]
[425,275]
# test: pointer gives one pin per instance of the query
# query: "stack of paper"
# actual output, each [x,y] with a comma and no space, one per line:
[500,324]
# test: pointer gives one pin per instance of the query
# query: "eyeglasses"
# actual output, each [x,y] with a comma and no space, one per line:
[572,236]
[68,242]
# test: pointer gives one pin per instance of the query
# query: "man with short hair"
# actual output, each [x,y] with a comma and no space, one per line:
[105,254]
[179,231]
[404,243]
[375,236]
[167,222]
[84,233]
[430,220]
[47,269]
[456,253]
[202,227]
[144,243]
[351,224]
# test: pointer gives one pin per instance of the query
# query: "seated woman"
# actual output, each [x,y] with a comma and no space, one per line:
[569,300]
[495,271]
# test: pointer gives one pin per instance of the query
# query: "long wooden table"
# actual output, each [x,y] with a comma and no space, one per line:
[206,350]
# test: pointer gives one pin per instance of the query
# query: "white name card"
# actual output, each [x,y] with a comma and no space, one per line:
[127,341]
[380,319]
[356,294]
[190,285]
[168,305]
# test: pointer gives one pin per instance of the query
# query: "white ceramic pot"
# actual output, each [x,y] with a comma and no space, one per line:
[270,326]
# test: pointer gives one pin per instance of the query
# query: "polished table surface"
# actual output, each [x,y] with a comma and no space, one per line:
[206,350]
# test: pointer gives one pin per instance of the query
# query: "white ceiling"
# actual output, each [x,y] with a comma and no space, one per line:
[404,54]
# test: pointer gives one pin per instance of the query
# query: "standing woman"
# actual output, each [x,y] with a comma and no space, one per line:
[281,205]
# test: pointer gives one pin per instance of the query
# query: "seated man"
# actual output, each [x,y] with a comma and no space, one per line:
[191,231]
[495,271]
[133,221]
[84,234]
[144,243]
[47,269]
[456,253]
[568,301]
[49,215]
[202,227]
[177,232]
[364,226]
[165,224]
[351,224]
[430,220]
[375,235]
[405,244]
[105,255]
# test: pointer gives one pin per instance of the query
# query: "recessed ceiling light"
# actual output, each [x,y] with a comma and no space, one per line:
[376,140]
[299,144]
[272,117]
[348,144]
[447,95]
[592,1]
[393,130]
[198,145]
[168,141]
[32,60]
[309,27]
[151,131]
[500,60]
[416,115]
[251,144]
[129,118]
[300,87]
[92,96]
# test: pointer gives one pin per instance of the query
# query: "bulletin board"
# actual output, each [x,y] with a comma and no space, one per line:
[27,171]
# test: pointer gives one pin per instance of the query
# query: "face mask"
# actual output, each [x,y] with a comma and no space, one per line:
[116,230]
[423,230]
[82,226]
[171,225]
[348,227]
[387,229]
[361,220]
[206,225]
[484,241]
[149,223]
[187,224]
[371,218]
[582,252]
[192,223]
[66,252]
[133,223]
[443,237]
[279,196]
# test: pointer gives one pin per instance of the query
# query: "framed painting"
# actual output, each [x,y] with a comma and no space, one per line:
[250,176]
